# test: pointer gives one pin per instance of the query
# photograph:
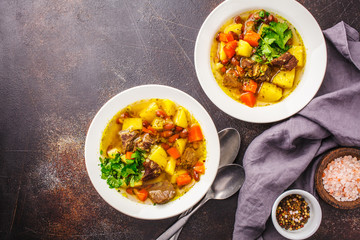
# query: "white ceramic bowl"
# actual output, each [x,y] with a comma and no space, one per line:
[313,222]
[92,152]
[314,70]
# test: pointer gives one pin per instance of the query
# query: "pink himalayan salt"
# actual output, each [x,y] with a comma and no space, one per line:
[341,178]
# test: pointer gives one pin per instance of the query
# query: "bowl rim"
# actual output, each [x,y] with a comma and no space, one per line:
[328,157]
[316,59]
[92,152]
[307,230]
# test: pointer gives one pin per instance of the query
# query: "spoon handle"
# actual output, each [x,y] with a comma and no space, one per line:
[181,222]
[230,141]
[177,234]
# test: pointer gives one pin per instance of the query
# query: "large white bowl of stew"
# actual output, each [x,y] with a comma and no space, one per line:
[152,152]
[260,61]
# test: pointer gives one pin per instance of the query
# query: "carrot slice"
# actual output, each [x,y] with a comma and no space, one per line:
[130,191]
[199,167]
[240,71]
[128,155]
[165,146]
[248,99]
[173,152]
[225,37]
[150,130]
[195,134]
[229,48]
[142,194]
[252,38]
[173,138]
[183,179]
[250,86]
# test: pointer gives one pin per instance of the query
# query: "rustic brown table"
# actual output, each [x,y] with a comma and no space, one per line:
[60,61]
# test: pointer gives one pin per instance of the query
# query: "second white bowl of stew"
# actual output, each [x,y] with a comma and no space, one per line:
[260,61]
[152,152]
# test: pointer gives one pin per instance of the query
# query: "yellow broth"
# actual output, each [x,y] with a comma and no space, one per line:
[235,93]
[151,112]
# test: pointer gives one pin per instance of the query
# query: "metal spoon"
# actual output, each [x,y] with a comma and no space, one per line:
[228,181]
[230,142]
[229,145]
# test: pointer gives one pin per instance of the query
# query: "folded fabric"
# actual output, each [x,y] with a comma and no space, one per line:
[283,156]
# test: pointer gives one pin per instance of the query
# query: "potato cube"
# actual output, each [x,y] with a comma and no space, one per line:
[159,155]
[218,66]
[222,54]
[298,52]
[112,152]
[236,28]
[170,166]
[169,107]
[132,124]
[158,123]
[180,144]
[269,92]
[123,158]
[180,118]
[284,79]
[243,49]
[149,113]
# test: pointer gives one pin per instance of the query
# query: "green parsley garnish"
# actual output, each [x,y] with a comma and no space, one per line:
[262,13]
[116,172]
[273,41]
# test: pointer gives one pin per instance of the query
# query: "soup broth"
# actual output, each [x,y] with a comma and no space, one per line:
[257,58]
[153,151]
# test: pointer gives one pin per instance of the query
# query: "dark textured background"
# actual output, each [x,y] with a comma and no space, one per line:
[60,61]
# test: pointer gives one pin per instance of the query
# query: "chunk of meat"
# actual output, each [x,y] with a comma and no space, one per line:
[231,79]
[152,170]
[256,70]
[145,141]
[161,192]
[286,61]
[127,138]
[264,73]
[189,158]
[259,72]
[247,63]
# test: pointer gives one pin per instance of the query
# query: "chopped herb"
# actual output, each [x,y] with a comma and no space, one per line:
[273,41]
[116,172]
[262,13]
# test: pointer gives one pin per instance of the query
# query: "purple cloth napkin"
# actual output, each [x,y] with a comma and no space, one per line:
[282,156]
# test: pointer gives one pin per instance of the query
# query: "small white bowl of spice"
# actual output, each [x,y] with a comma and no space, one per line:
[296,214]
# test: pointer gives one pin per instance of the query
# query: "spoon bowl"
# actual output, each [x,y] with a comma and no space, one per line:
[230,141]
[228,181]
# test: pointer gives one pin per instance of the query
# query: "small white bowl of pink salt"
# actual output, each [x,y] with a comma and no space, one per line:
[337,178]
[296,214]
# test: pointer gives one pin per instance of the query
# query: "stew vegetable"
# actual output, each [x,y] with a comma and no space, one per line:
[153,151]
[257,58]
